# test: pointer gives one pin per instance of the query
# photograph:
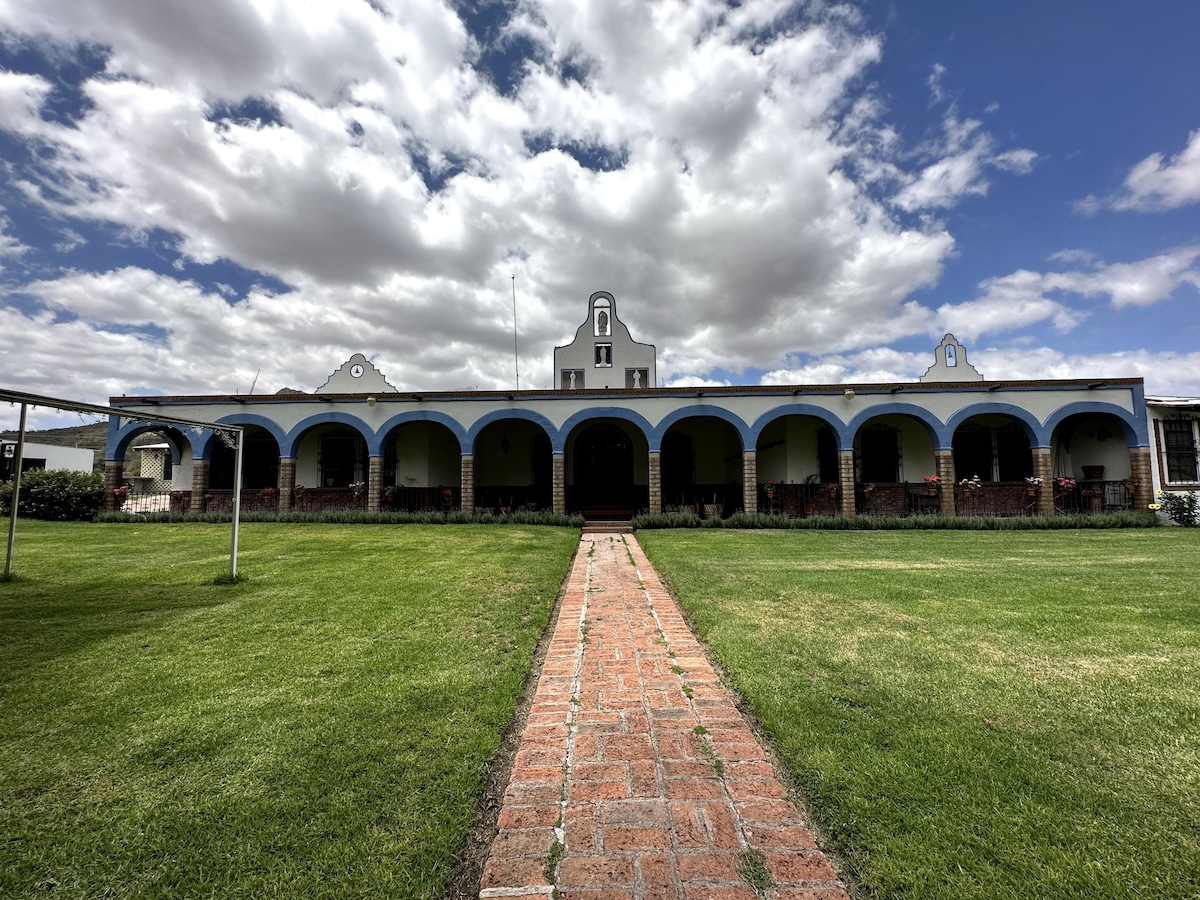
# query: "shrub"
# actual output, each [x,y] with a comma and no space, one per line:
[1182,509]
[58,494]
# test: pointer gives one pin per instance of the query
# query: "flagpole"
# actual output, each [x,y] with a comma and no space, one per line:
[516,362]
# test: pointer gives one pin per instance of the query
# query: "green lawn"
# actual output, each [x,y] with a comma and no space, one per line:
[322,729]
[971,714]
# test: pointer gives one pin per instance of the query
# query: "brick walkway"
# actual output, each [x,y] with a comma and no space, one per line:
[637,777]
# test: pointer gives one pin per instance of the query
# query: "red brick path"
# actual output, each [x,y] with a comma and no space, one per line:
[637,777]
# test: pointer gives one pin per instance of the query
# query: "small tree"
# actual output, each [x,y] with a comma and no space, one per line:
[1182,509]
[58,494]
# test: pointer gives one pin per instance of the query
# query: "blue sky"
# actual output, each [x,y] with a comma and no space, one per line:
[196,199]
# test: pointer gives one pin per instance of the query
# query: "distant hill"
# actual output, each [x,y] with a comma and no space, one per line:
[93,436]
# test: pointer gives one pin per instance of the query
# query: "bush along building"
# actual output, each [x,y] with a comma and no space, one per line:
[607,442]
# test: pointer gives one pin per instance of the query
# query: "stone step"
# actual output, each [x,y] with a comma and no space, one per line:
[609,527]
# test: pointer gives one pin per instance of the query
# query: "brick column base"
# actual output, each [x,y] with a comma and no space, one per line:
[655,482]
[467,484]
[114,474]
[943,461]
[287,482]
[750,482]
[1043,468]
[374,482]
[558,479]
[199,484]
[846,474]
[1139,465]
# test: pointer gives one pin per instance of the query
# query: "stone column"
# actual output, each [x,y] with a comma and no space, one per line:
[846,473]
[1139,465]
[943,461]
[199,484]
[287,482]
[1043,468]
[750,482]
[114,474]
[558,481]
[467,490]
[374,482]
[655,482]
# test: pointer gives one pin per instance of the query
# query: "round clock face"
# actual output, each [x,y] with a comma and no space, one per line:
[356,371]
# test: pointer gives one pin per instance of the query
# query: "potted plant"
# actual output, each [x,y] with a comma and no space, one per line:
[932,483]
[971,484]
[1131,483]
[1033,485]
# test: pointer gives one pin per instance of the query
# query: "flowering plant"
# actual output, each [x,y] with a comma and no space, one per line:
[933,479]
[869,489]
[1182,509]
[299,490]
[358,486]
[1033,481]
[389,492]
[833,489]
[268,492]
[769,487]
[1132,481]
[971,484]
[121,493]
[447,495]
[1065,483]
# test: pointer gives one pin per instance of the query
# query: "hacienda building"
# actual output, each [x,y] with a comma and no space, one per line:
[607,442]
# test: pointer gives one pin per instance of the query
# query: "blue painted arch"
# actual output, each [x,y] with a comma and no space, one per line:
[375,442]
[937,429]
[291,442]
[499,415]
[118,439]
[797,409]
[696,411]
[1038,436]
[204,444]
[637,420]
[1133,427]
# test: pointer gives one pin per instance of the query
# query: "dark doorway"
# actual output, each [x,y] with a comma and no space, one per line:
[973,452]
[260,462]
[602,467]
[879,449]
[678,468]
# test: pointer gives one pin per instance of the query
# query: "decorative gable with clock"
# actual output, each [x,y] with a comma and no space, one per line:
[356,376]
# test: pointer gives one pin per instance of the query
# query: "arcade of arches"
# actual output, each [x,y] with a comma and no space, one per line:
[616,464]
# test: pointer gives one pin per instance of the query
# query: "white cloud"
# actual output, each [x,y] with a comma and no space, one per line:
[21,98]
[741,221]
[1023,298]
[937,90]
[962,155]
[1152,186]
[10,246]
[1164,372]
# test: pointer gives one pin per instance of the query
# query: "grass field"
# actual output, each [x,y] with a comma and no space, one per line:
[322,729]
[971,714]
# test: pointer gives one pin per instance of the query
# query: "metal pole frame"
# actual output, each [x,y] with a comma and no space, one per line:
[237,506]
[16,496]
[27,400]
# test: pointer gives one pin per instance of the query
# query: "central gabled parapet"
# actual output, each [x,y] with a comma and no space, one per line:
[603,355]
